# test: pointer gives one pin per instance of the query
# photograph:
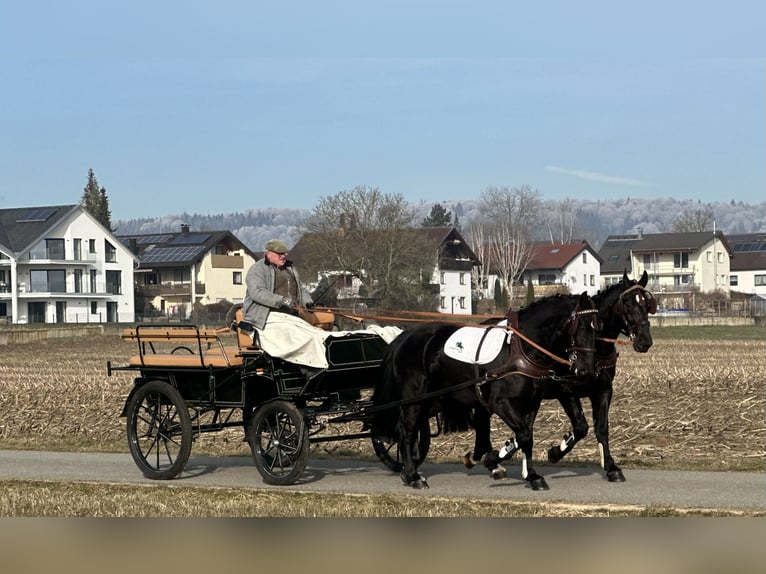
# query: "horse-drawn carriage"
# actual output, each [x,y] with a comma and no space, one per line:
[192,381]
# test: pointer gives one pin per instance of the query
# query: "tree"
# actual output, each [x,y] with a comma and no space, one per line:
[96,202]
[439,217]
[510,215]
[530,292]
[369,234]
[693,220]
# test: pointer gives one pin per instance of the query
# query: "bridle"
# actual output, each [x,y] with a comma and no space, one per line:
[643,298]
[573,323]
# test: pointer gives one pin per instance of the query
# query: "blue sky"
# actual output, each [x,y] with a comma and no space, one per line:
[216,107]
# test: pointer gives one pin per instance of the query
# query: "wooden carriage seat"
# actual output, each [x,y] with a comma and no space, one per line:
[214,353]
[246,343]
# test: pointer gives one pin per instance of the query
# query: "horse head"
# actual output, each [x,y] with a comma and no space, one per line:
[633,306]
[583,326]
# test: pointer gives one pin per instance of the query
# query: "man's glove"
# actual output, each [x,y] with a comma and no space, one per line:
[310,305]
[287,303]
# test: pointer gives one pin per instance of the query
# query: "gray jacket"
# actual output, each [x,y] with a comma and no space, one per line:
[260,298]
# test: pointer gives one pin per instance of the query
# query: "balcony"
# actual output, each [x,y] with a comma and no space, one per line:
[172,289]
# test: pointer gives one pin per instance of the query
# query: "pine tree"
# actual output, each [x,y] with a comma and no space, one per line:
[439,217]
[96,202]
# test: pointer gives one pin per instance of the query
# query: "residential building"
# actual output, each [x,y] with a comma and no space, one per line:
[748,264]
[575,265]
[180,269]
[452,271]
[675,262]
[58,264]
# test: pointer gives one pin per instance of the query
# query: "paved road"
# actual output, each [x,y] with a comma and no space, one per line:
[712,490]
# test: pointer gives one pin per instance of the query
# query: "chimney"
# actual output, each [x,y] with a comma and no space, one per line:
[640,232]
[184,228]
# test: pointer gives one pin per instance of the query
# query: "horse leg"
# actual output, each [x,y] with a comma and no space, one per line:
[409,424]
[601,402]
[573,408]
[520,416]
[482,443]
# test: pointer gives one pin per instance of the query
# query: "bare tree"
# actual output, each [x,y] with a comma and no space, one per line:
[510,214]
[369,234]
[560,221]
[478,237]
[693,220]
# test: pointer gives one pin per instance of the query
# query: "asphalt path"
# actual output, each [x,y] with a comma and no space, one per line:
[645,488]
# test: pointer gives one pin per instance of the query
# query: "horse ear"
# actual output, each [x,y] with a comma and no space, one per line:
[625,276]
[644,279]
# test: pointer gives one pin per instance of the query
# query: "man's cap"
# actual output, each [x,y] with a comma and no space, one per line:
[276,246]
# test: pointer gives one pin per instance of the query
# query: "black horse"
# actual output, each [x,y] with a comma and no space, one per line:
[421,379]
[623,308]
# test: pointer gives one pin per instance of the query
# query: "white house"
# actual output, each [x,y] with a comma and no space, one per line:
[748,263]
[575,265]
[675,262]
[58,264]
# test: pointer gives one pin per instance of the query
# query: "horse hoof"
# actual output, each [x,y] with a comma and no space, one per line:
[468,460]
[539,484]
[615,476]
[554,454]
[499,473]
[419,484]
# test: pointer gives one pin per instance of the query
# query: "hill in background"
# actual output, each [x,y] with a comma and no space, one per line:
[591,220]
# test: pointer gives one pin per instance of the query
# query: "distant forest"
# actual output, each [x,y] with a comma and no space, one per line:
[593,221]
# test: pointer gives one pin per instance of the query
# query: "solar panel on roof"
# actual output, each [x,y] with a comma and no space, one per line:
[37,214]
[172,254]
[189,239]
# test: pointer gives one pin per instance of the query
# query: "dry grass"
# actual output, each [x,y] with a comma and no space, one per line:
[685,404]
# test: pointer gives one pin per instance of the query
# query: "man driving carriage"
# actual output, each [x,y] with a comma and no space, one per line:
[274,294]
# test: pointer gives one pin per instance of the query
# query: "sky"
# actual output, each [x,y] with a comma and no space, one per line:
[218,107]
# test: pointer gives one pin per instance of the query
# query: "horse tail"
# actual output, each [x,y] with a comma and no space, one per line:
[387,391]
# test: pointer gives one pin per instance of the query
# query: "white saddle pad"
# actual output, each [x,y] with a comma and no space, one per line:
[476,345]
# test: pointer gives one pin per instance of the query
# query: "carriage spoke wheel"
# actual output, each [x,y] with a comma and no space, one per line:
[159,430]
[388,452]
[279,441]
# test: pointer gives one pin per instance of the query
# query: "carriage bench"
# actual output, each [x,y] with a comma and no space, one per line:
[184,346]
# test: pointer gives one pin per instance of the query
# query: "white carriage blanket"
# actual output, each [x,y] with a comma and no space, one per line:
[476,345]
[296,341]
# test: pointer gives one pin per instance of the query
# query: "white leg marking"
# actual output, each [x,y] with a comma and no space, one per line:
[524,472]
[601,453]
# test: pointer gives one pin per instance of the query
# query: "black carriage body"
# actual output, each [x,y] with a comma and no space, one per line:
[201,386]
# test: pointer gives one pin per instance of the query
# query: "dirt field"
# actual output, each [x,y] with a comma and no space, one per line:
[685,404]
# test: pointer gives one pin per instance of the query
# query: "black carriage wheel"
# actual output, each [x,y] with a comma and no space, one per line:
[279,440]
[159,430]
[389,455]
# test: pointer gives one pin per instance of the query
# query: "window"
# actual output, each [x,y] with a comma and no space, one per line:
[545,279]
[443,302]
[720,256]
[647,259]
[680,260]
[760,280]
[92,280]
[462,278]
[461,302]
[3,310]
[584,279]
[93,308]
[237,278]
[592,280]
[91,245]
[441,278]
[78,280]
[114,282]
[709,256]
[110,252]
[584,257]
[54,248]
[733,280]
[77,249]
[47,281]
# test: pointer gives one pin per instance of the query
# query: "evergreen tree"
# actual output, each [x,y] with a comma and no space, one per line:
[96,202]
[439,217]
[530,292]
